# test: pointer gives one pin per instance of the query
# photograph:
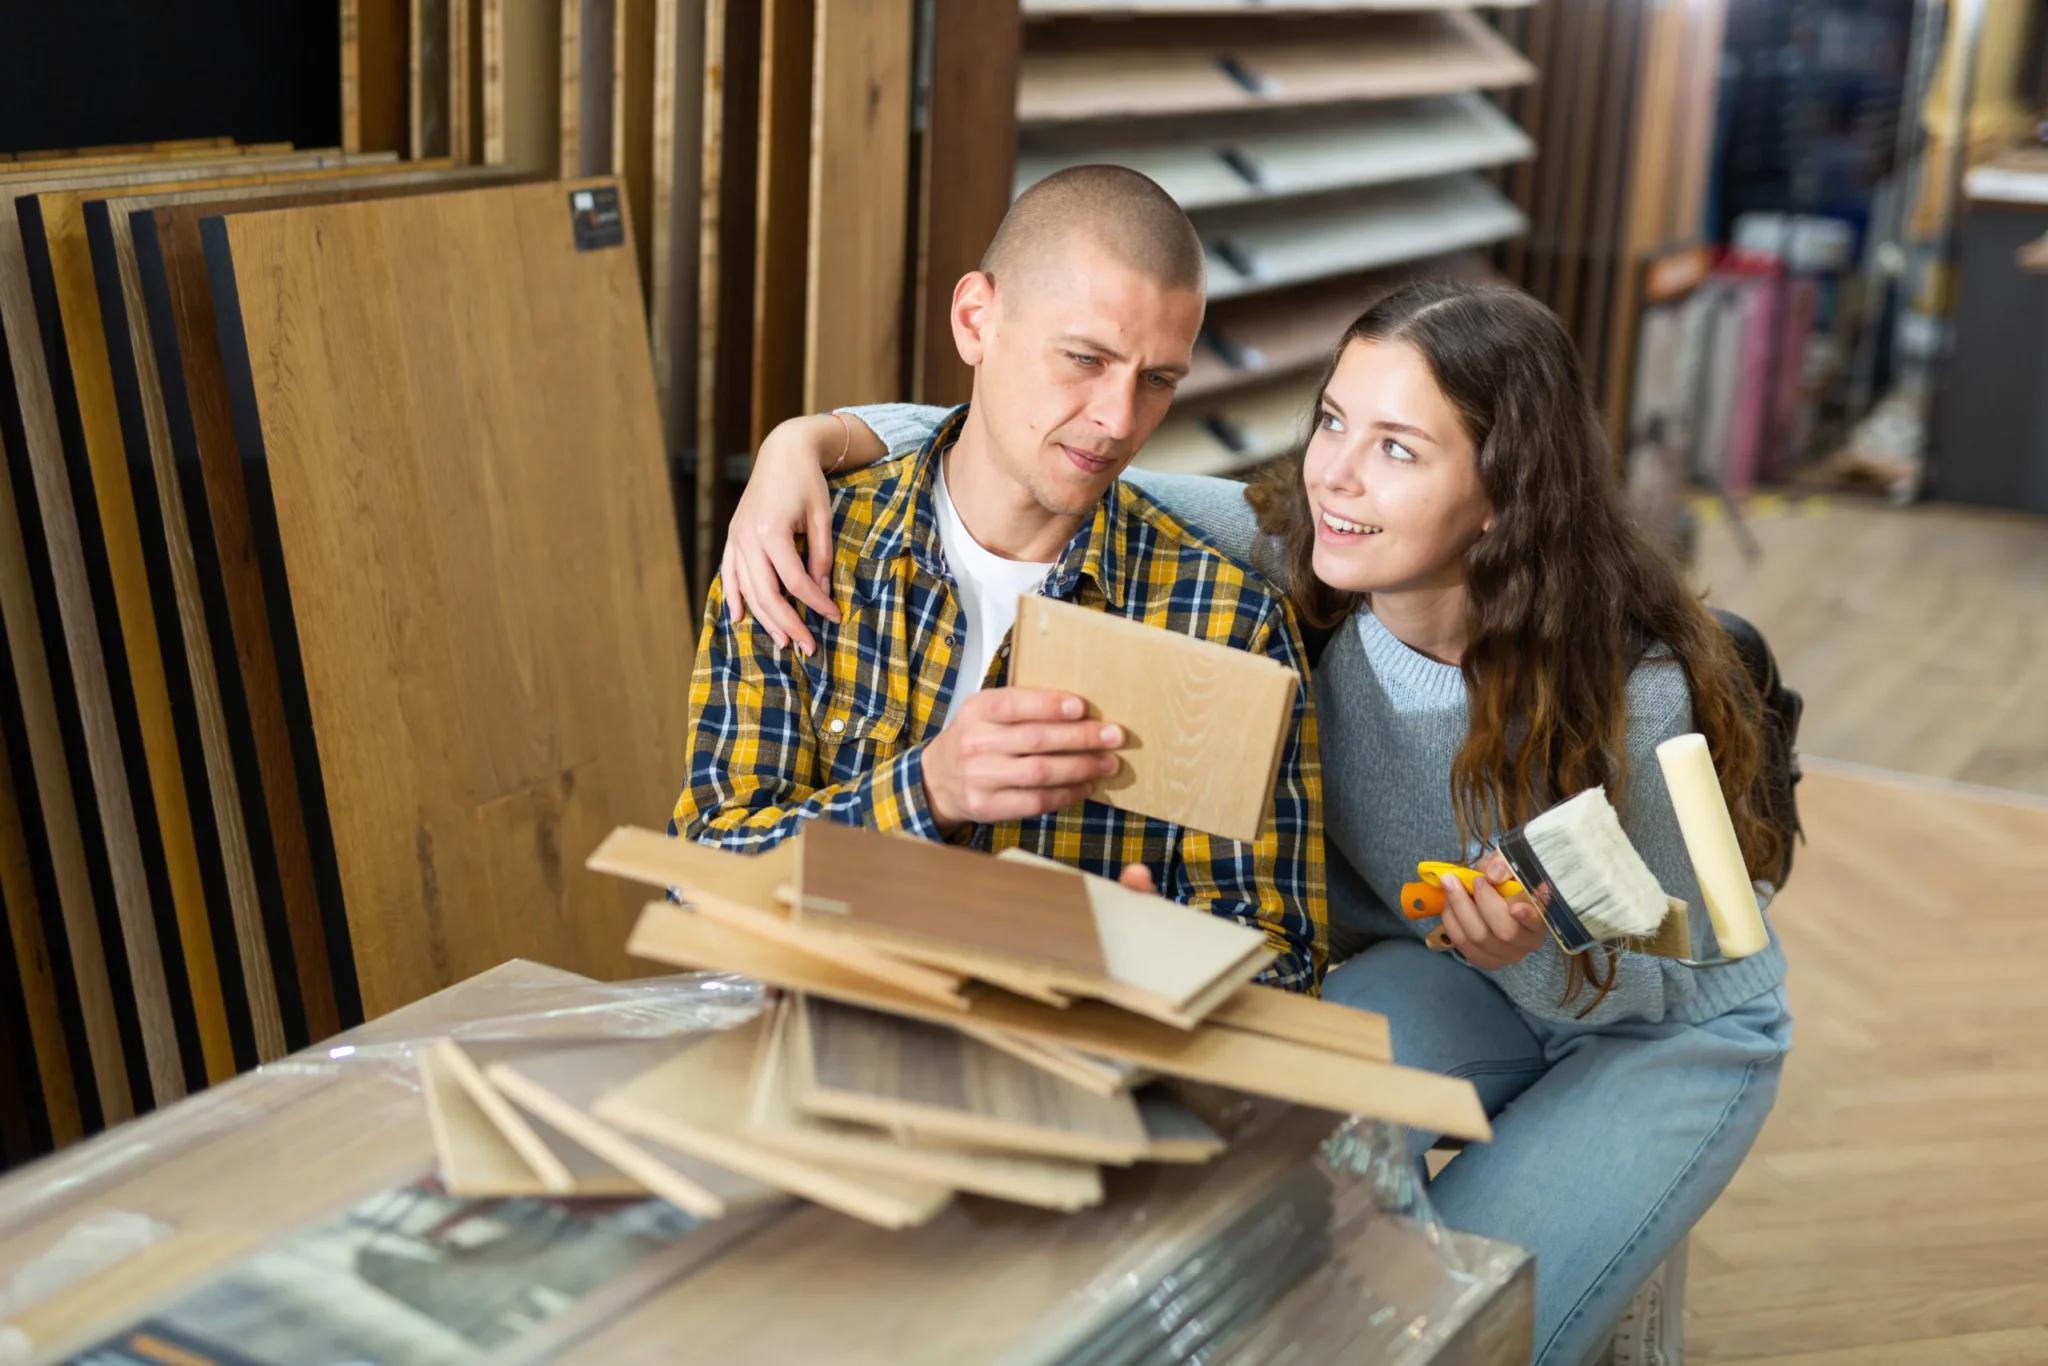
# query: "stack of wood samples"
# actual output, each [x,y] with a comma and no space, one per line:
[1323,151]
[488,646]
[950,1022]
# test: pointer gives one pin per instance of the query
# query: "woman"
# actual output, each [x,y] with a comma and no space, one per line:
[1504,638]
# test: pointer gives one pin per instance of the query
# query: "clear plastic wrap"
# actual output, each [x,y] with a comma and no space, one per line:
[1286,1247]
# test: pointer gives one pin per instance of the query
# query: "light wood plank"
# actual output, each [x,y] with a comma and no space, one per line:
[775,1119]
[939,1085]
[678,156]
[458,770]
[860,169]
[1228,1058]
[522,83]
[695,1100]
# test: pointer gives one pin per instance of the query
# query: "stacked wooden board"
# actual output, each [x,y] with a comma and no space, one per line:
[1323,150]
[949,1022]
[301,643]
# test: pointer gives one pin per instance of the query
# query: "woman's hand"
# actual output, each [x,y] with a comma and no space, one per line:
[786,496]
[1489,930]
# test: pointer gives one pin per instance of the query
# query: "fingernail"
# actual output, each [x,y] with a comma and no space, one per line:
[807,650]
[1071,707]
[1111,735]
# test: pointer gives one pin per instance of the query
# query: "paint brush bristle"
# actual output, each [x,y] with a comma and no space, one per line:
[1594,869]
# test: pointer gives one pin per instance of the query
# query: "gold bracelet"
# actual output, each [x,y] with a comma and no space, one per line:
[845,446]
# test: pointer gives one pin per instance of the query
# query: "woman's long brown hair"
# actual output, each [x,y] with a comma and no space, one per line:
[1565,593]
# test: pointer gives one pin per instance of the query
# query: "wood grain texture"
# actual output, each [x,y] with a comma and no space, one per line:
[1221,1057]
[40,996]
[587,114]
[205,864]
[184,585]
[560,1164]
[1099,1075]
[890,890]
[725,270]
[465,73]
[678,155]
[1281,1014]
[1176,767]
[53,813]
[775,1119]
[782,218]
[427,54]
[935,1083]
[696,1100]
[374,76]
[522,83]
[87,658]
[563,1084]
[246,660]
[860,178]
[743,891]
[632,152]
[461,752]
[966,154]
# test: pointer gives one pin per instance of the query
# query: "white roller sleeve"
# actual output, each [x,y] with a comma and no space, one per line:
[1710,842]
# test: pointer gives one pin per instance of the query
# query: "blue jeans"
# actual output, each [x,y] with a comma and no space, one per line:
[1609,1141]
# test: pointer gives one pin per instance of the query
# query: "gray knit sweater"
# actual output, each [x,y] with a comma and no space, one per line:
[1390,722]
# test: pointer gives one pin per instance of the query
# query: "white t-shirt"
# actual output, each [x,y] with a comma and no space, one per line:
[988,587]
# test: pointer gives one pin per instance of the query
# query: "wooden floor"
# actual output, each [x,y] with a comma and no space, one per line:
[1919,636]
[1896,1208]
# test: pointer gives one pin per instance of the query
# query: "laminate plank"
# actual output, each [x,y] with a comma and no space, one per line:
[633,40]
[937,1084]
[374,76]
[35,979]
[476,1160]
[51,831]
[1229,1058]
[428,65]
[460,751]
[901,893]
[965,175]
[587,87]
[557,1163]
[193,625]
[270,757]
[695,1100]
[782,222]
[1173,1132]
[1095,1074]
[775,1119]
[1174,768]
[725,269]
[678,155]
[522,83]
[206,865]
[91,684]
[465,75]
[563,1083]
[1580,155]
[860,178]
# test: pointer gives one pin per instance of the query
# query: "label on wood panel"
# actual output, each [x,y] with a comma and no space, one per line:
[597,217]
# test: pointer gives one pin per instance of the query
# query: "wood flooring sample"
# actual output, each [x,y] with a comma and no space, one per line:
[1204,724]
[862,882]
[458,486]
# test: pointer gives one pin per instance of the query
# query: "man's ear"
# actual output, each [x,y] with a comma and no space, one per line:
[974,300]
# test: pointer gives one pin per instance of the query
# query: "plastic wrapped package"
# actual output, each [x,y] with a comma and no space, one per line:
[312,1178]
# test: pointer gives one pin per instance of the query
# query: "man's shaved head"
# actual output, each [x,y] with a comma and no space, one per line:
[1112,207]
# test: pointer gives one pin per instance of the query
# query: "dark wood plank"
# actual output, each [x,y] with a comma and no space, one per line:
[967,160]
[374,76]
[782,225]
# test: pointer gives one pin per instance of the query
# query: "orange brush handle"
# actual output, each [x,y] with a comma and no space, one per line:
[1422,899]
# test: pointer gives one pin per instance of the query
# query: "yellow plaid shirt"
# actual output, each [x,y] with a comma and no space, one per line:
[778,739]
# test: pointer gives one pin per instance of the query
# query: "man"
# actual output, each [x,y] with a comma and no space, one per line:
[1079,324]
